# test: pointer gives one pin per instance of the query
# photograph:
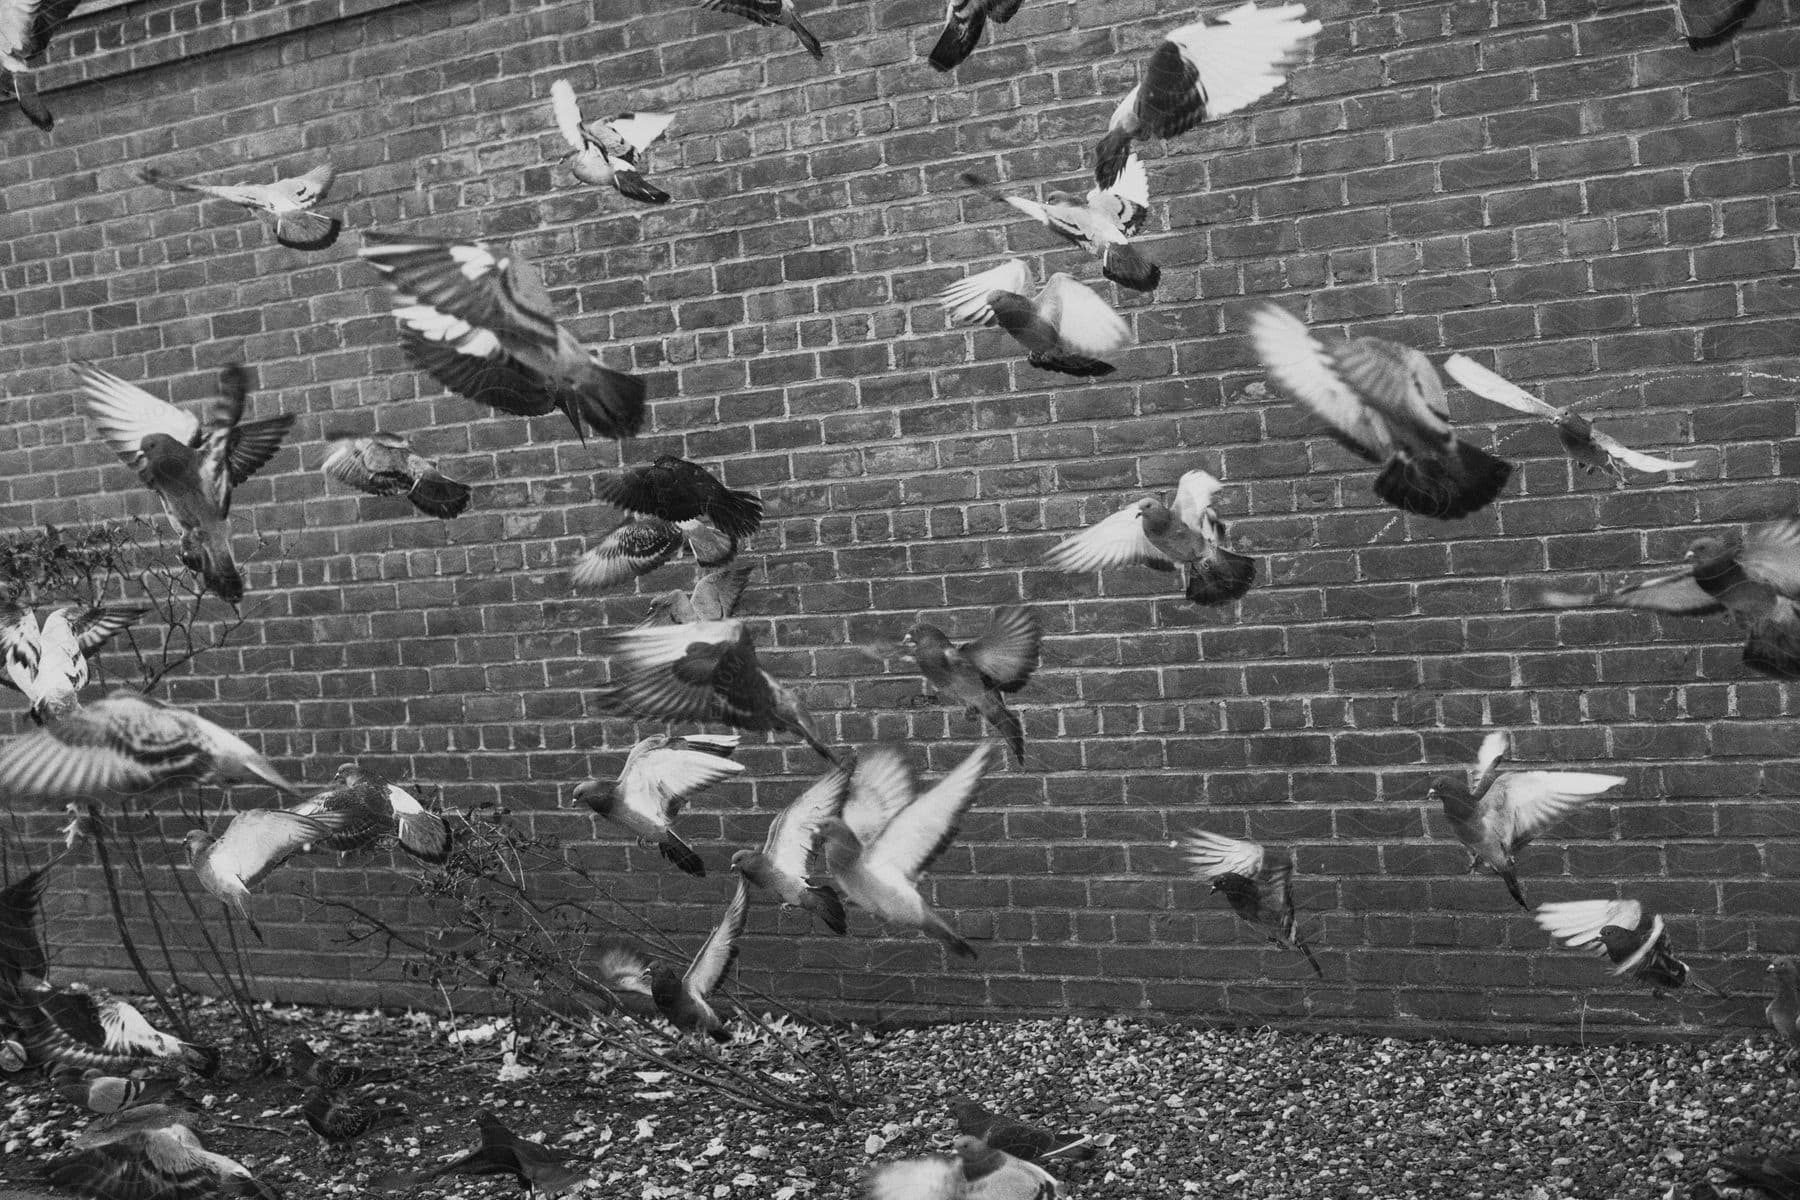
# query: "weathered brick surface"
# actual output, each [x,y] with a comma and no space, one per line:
[1571,194]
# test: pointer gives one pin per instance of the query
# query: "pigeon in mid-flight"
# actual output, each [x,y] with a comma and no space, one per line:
[610,152]
[1258,885]
[1384,402]
[980,674]
[1093,223]
[977,1172]
[151,1150]
[1593,451]
[48,663]
[1205,70]
[376,810]
[25,28]
[715,597]
[683,998]
[191,470]
[285,206]
[769,12]
[256,842]
[639,545]
[128,744]
[476,318]
[1067,328]
[385,464]
[963,22]
[660,775]
[677,490]
[70,1030]
[1756,580]
[1189,537]
[1634,941]
[1497,815]
[782,866]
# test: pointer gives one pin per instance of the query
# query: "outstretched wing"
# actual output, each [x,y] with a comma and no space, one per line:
[1214,854]
[721,948]
[967,300]
[1007,653]
[913,840]
[794,833]
[126,414]
[1084,323]
[1579,922]
[1530,801]
[1116,541]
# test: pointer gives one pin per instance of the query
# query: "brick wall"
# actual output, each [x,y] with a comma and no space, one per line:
[1570,193]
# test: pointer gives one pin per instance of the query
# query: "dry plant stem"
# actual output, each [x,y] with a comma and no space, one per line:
[169,1011]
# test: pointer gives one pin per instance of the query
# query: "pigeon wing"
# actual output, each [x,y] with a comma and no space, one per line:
[1579,922]
[95,627]
[636,547]
[1214,854]
[1007,653]
[1116,541]
[126,414]
[1528,802]
[913,840]
[881,786]
[1194,497]
[110,746]
[663,778]
[568,114]
[645,680]
[490,288]
[1676,592]
[1489,386]
[1301,369]
[795,832]
[1244,56]
[20,651]
[304,191]
[640,129]
[717,593]
[1127,202]
[259,840]
[1771,556]
[967,300]
[1085,324]
[1636,459]
[721,948]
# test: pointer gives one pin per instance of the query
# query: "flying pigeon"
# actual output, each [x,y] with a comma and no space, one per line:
[26,26]
[47,664]
[69,1029]
[1592,450]
[375,808]
[131,744]
[501,1152]
[285,206]
[639,545]
[1258,886]
[1092,223]
[1205,70]
[384,464]
[706,671]
[151,1151]
[978,674]
[1066,329]
[252,846]
[1783,1010]
[1384,402]
[1189,537]
[101,1093]
[1621,931]
[610,151]
[1709,23]
[1776,1175]
[715,598]
[476,318]
[1756,581]
[660,775]
[338,1121]
[192,471]
[889,835]
[978,1172]
[682,998]
[678,490]
[769,12]
[963,22]
[794,836]
[314,1069]
[1033,1143]
[1495,816]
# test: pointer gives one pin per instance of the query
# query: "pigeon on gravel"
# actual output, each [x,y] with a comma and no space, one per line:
[339,1121]
[1495,816]
[285,206]
[1067,329]
[963,22]
[384,464]
[661,774]
[1033,1143]
[1091,223]
[376,809]
[1635,942]
[979,674]
[794,837]
[610,152]
[535,1167]
[255,843]
[769,12]
[48,663]
[1258,886]
[1188,537]
[977,1172]
[151,1152]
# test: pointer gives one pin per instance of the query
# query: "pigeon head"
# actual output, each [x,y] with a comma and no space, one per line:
[1450,791]
[164,457]
[1241,893]
[1786,969]
[662,607]
[197,842]
[922,637]
[978,1158]
[1700,550]
[601,797]
[347,773]
[751,864]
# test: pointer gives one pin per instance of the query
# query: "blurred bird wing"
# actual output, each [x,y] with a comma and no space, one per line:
[1528,802]
[1579,922]
[967,300]
[647,680]
[95,627]
[912,841]
[1677,592]
[126,414]
[1771,555]
[1397,381]
[20,647]
[18,27]
[1301,369]
[933,1178]
[1494,747]
[1007,653]
[1115,541]
[794,833]
[1636,459]
[623,969]
[642,128]
[488,287]
[127,1030]
[1084,323]
[348,463]
[660,779]
[1245,55]
[568,114]
[637,547]
[112,745]
[259,840]
[1489,386]
[1214,854]
[717,593]
[1194,498]
[22,951]
[881,786]
[303,191]
[721,948]
[1127,202]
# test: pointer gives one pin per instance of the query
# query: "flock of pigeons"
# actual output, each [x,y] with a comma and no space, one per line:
[477,318]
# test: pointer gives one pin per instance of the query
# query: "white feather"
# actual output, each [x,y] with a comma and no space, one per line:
[967,300]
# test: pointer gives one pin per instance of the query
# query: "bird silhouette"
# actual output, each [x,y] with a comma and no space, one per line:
[963,22]
[1188,537]
[285,206]
[660,775]
[769,12]
[1066,329]
[980,674]
[677,490]
[1091,223]
[1776,1175]
[683,998]
[610,152]
[782,865]
[384,464]
[1709,23]
[253,845]
[376,809]
[1258,886]
[48,663]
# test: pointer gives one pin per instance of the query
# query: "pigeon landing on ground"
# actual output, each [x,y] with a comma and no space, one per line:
[151,1151]
[308,1066]
[660,775]
[1258,886]
[707,671]
[339,1121]
[1635,942]
[1385,403]
[1189,537]
[384,464]
[476,318]
[639,545]
[285,206]
[26,26]
[1495,816]
[252,846]
[1066,329]
[1205,70]
[610,152]
[48,664]
[1756,581]
[128,744]
[374,809]
[963,22]
[978,1172]
[1033,1143]
[192,471]
[769,12]
[677,490]
[889,835]
[1091,223]
[1593,451]
[534,1167]
[979,674]
[783,864]
[1783,1010]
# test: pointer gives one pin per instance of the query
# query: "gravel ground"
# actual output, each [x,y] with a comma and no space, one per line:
[1191,1112]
